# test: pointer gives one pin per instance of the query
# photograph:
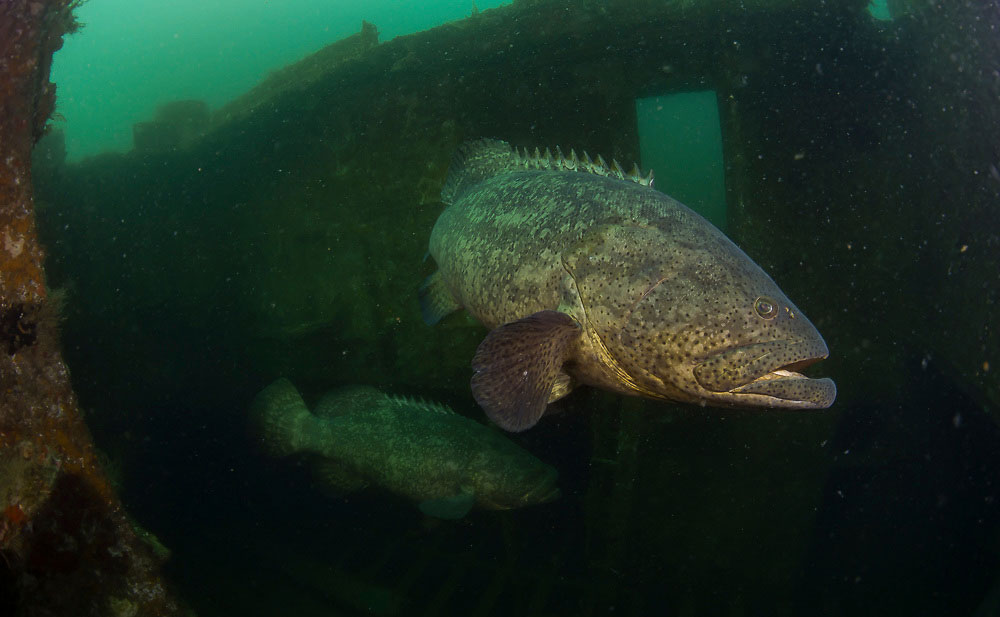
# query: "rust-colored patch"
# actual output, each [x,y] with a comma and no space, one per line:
[15,514]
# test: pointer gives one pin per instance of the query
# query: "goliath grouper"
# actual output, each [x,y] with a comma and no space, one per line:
[419,450]
[587,275]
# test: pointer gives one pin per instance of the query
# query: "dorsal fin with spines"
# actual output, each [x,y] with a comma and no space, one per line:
[477,160]
[418,404]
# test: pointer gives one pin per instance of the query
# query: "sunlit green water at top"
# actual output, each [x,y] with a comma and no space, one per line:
[133,55]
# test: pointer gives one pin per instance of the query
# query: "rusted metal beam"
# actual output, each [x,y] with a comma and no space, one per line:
[67,546]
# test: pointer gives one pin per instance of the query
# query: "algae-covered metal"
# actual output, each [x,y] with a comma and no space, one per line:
[423,451]
[587,275]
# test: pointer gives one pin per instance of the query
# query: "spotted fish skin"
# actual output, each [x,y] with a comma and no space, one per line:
[590,277]
[358,436]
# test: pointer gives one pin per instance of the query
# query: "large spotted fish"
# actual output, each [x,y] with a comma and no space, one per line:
[587,275]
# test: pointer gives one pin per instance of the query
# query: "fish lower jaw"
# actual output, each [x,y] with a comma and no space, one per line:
[788,389]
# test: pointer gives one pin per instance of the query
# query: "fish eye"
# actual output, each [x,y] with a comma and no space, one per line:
[765,307]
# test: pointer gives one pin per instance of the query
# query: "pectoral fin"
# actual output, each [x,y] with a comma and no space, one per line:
[450,508]
[517,366]
[562,386]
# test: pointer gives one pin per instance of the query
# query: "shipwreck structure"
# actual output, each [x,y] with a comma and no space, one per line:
[284,232]
[67,544]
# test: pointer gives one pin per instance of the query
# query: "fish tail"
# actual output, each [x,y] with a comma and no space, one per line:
[280,420]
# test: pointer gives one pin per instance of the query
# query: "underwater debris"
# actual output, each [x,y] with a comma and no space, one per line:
[601,307]
[423,451]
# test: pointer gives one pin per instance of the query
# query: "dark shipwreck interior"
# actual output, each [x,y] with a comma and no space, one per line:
[147,296]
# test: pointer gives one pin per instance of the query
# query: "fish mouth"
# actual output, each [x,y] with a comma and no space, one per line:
[767,375]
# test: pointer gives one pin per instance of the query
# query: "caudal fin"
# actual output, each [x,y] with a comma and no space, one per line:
[280,420]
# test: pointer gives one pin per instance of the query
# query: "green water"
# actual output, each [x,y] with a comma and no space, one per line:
[879,9]
[133,55]
[680,140]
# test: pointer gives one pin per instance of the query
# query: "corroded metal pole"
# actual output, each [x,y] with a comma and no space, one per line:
[66,543]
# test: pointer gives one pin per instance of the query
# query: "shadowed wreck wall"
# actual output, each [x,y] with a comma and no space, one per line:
[66,543]
[288,241]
